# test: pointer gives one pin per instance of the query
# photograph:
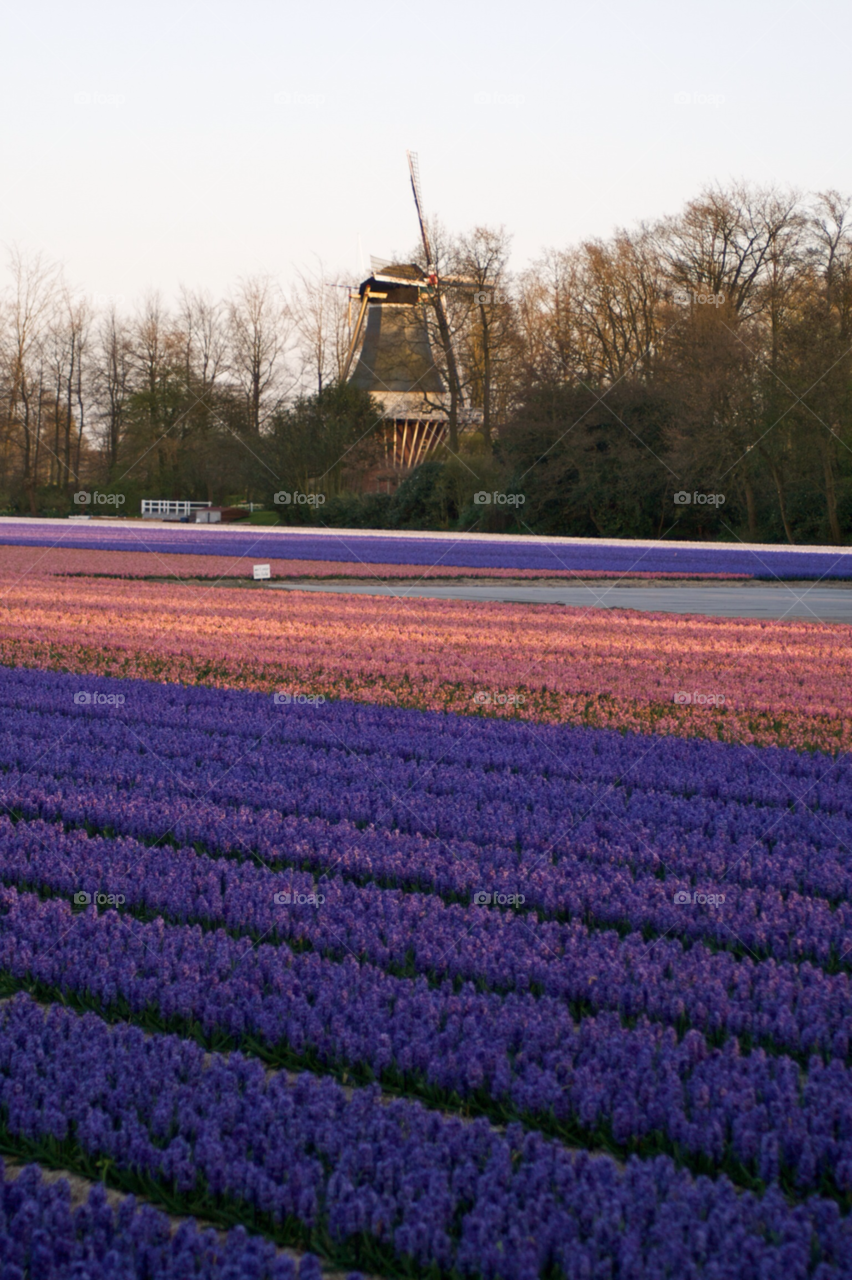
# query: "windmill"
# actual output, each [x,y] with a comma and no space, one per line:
[396,363]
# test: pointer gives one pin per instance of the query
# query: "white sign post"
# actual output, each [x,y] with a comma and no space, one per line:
[261,571]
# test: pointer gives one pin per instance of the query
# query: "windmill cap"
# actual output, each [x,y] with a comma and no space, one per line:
[405,273]
[410,274]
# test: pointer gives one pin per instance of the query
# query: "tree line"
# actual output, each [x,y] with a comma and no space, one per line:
[688,377]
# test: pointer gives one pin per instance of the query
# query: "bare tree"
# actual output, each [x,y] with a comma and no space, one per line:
[150,342]
[619,308]
[723,242]
[818,346]
[318,307]
[203,329]
[259,330]
[547,318]
[594,314]
[30,311]
[112,378]
[491,341]
[68,344]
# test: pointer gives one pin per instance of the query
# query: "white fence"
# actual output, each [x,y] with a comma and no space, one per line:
[166,509]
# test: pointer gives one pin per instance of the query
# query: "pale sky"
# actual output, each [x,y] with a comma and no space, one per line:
[154,144]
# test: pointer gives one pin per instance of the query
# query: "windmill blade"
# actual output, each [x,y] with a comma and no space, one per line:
[414,170]
[437,299]
[356,335]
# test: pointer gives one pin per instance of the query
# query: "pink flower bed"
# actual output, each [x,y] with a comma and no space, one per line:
[760,682]
[154,564]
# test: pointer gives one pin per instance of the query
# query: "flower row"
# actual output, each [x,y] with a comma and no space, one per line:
[756,1115]
[42,1236]
[137,561]
[519,775]
[475,551]
[402,1184]
[795,1009]
[611,829]
[778,681]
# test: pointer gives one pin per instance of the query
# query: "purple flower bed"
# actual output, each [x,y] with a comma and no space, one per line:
[795,1008]
[588,1003]
[42,1236]
[584,824]
[597,885]
[458,549]
[392,1180]
[759,1116]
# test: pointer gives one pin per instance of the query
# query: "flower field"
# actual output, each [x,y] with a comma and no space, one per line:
[419,938]
[43,561]
[491,552]
[782,683]
[428,994]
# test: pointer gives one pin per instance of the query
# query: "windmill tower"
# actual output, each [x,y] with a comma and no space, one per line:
[396,363]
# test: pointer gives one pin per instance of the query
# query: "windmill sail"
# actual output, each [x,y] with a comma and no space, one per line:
[438,303]
[414,170]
